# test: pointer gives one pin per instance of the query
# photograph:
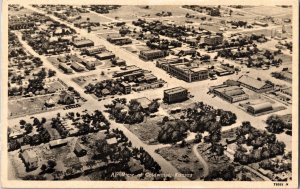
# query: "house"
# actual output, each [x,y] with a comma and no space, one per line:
[254,84]
[135,168]
[49,103]
[65,98]
[112,141]
[176,94]
[105,92]
[83,43]
[30,159]
[144,102]
[79,149]
[58,143]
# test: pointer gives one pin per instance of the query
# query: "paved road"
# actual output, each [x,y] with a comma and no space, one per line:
[202,161]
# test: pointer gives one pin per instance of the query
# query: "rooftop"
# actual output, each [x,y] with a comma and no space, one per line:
[175,90]
[245,79]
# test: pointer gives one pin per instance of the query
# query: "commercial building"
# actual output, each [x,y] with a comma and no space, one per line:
[89,65]
[229,93]
[58,143]
[152,54]
[105,55]
[94,50]
[83,43]
[119,62]
[77,67]
[126,88]
[146,86]
[65,68]
[259,108]
[254,84]
[188,73]
[211,40]
[119,40]
[165,63]
[176,94]
[128,70]
[30,159]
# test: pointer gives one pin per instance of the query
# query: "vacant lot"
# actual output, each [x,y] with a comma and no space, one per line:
[28,106]
[183,159]
[148,130]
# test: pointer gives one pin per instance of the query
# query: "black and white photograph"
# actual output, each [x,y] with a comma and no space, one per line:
[180,93]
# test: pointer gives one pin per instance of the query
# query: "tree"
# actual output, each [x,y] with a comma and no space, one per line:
[28,128]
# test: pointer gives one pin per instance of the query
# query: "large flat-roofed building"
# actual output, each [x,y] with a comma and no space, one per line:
[105,55]
[128,70]
[188,73]
[230,93]
[94,50]
[176,94]
[65,68]
[254,84]
[211,39]
[77,67]
[83,43]
[152,54]
[119,40]
[259,108]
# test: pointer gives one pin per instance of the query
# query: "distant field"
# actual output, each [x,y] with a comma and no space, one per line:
[135,12]
[268,10]
[22,11]
[94,17]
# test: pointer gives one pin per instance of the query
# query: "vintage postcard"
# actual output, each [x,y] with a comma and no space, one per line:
[149,94]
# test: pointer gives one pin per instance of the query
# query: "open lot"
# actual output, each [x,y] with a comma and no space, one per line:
[184,160]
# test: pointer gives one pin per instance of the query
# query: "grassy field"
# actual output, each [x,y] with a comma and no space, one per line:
[146,131]
[135,12]
[93,18]
[268,10]
[21,107]
[183,159]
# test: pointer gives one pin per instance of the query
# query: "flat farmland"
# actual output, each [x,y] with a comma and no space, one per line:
[268,10]
[135,12]
[94,17]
